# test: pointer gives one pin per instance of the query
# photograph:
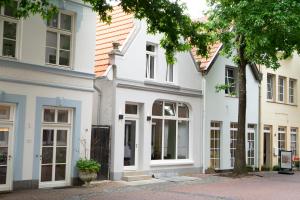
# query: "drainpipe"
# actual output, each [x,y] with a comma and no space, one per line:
[99,102]
[259,121]
[203,121]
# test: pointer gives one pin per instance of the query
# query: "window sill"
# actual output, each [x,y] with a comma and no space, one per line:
[157,163]
[8,58]
[282,103]
[166,84]
[59,66]
[231,96]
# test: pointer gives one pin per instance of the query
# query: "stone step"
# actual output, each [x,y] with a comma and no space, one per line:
[136,178]
[133,173]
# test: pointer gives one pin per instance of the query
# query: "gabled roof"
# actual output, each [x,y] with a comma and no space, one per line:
[117,31]
[205,63]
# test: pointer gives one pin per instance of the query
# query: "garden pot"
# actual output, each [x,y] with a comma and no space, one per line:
[87,177]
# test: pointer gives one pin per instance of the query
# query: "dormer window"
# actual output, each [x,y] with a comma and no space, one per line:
[150,61]
[59,39]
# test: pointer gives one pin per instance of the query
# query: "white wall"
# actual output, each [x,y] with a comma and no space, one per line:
[220,107]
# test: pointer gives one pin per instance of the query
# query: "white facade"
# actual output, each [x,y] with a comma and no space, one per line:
[125,82]
[50,104]
[222,108]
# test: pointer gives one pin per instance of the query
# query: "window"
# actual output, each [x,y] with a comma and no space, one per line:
[56,115]
[215,133]
[59,39]
[251,145]
[4,112]
[292,91]
[8,31]
[170,131]
[150,61]
[233,140]
[281,88]
[270,86]
[294,141]
[281,138]
[230,80]
[131,109]
[170,73]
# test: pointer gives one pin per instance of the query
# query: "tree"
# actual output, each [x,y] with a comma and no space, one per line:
[260,32]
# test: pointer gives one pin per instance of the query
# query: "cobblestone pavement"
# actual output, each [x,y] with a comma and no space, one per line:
[271,186]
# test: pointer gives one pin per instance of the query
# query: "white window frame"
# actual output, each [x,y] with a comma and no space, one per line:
[9,19]
[270,87]
[281,89]
[252,131]
[168,73]
[233,141]
[294,132]
[292,91]
[176,118]
[228,78]
[60,31]
[281,130]
[151,54]
[216,148]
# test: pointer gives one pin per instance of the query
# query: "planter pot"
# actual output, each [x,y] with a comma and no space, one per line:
[87,177]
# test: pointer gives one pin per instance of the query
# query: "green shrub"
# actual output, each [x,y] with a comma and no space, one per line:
[276,168]
[88,165]
[249,168]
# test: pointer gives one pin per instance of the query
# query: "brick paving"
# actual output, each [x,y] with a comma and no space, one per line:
[271,186]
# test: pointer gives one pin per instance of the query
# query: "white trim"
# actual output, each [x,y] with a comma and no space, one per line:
[154,163]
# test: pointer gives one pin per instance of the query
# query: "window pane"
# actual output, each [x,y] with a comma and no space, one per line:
[62,116]
[61,137]
[170,109]
[151,67]
[3,155]
[131,109]
[53,21]
[50,55]
[157,108]
[64,57]
[49,115]
[156,139]
[11,10]
[47,155]
[66,22]
[48,136]
[4,112]
[170,139]
[183,111]
[51,39]
[150,47]
[46,174]
[3,170]
[10,30]
[9,48]
[65,42]
[61,154]
[183,140]
[4,137]
[60,172]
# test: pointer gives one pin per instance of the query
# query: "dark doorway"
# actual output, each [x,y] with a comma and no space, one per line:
[100,149]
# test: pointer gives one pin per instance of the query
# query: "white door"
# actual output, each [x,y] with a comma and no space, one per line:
[6,146]
[130,144]
[55,156]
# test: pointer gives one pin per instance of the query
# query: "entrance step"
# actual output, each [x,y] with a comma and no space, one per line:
[135,176]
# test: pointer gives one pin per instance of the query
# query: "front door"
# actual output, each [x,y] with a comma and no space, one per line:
[55,157]
[5,157]
[130,144]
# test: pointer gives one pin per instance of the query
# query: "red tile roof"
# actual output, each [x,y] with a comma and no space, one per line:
[205,62]
[117,31]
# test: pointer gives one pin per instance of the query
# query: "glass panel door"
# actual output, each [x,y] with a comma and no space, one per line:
[54,155]
[130,143]
[5,158]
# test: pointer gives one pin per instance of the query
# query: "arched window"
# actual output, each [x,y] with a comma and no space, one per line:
[170,131]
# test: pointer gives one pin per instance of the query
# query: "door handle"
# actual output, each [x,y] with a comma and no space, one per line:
[9,157]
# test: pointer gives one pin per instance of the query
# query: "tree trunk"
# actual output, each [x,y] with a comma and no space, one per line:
[240,153]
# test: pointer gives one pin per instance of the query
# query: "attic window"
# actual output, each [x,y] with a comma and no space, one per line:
[150,61]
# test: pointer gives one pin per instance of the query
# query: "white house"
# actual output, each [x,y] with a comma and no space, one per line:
[221,111]
[46,93]
[154,109]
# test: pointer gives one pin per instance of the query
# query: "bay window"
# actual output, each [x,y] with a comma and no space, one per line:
[170,131]
[59,39]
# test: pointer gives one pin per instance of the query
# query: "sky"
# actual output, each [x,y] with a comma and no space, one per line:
[195,7]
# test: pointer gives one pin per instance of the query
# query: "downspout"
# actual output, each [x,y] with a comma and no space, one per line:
[203,121]
[259,120]
[99,102]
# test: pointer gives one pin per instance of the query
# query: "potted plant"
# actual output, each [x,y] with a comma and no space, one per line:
[88,170]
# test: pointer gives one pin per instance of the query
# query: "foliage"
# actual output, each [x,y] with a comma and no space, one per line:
[265,168]
[222,87]
[88,165]
[276,168]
